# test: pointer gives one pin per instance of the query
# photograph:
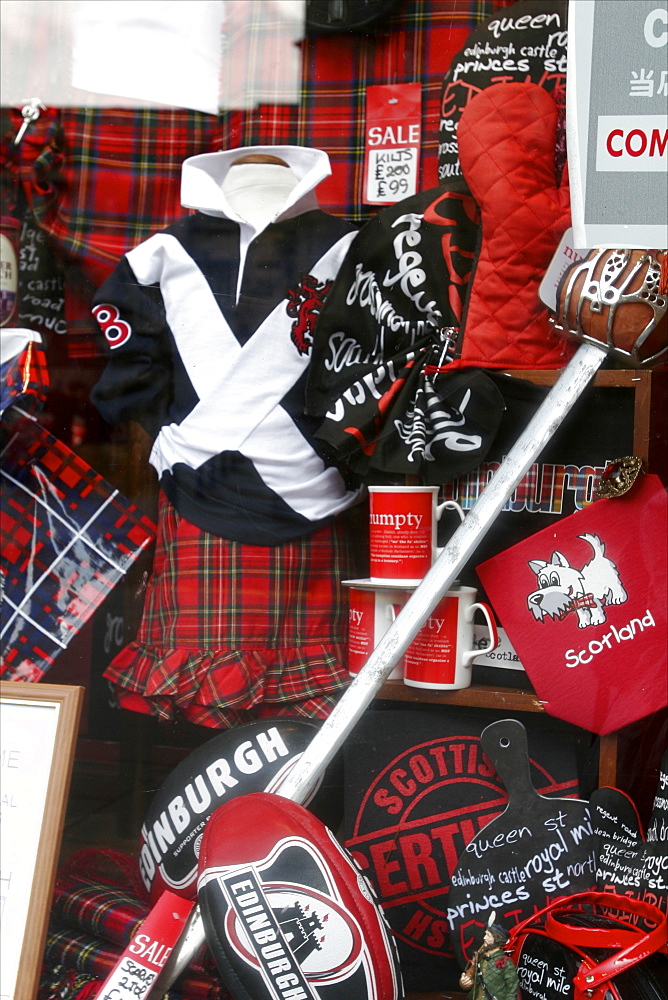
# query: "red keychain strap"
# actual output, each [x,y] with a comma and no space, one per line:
[604,937]
[635,944]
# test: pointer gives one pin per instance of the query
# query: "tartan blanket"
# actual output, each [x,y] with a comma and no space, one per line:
[78,952]
[66,539]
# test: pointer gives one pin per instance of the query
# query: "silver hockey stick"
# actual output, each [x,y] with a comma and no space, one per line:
[365,686]
[599,291]
[392,646]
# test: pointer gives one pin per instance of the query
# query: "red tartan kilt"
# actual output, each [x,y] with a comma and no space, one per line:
[233,631]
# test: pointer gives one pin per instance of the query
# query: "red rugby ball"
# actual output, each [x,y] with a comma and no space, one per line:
[285,909]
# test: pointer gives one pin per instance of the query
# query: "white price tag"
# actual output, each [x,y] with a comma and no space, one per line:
[130,980]
[392,174]
[392,142]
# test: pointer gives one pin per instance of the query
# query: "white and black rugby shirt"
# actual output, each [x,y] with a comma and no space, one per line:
[213,364]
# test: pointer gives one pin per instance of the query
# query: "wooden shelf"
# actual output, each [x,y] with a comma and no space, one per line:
[475,696]
[438,995]
[498,698]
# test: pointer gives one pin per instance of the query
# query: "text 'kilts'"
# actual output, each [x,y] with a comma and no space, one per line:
[232,632]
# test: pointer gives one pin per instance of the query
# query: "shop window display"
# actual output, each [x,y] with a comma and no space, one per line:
[238,344]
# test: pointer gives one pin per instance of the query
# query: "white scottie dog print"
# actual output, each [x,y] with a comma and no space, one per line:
[563,588]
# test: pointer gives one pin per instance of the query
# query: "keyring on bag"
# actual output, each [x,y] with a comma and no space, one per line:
[633,944]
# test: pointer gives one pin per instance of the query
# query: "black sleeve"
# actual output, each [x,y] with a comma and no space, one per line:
[136,383]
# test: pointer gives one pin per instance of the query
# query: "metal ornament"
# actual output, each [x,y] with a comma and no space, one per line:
[615,298]
[618,477]
[30,113]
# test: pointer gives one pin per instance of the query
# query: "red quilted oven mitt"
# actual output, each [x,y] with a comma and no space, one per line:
[507,137]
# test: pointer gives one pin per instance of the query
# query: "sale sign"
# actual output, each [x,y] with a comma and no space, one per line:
[148,951]
[392,142]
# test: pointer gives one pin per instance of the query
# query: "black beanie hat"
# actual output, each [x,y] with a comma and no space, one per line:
[499,934]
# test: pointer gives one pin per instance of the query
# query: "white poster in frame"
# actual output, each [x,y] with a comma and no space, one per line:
[617,122]
[38,730]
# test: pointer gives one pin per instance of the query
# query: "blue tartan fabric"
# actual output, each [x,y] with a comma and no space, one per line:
[66,538]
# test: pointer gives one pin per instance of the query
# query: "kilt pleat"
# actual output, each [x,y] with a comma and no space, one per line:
[232,632]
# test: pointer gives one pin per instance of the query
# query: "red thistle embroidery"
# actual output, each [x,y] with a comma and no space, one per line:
[501,963]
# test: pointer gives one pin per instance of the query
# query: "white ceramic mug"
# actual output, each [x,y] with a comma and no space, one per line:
[371,611]
[402,531]
[440,657]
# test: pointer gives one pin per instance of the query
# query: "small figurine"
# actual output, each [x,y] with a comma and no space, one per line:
[491,975]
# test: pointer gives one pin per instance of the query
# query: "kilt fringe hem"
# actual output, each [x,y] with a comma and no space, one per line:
[228,688]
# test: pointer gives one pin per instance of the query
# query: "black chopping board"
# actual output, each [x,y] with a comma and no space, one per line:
[628,863]
[537,849]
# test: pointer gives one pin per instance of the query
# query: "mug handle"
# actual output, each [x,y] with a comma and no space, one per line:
[470,656]
[448,505]
[391,612]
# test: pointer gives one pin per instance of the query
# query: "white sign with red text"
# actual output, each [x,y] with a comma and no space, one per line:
[149,949]
[632,143]
[617,122]
[392,142]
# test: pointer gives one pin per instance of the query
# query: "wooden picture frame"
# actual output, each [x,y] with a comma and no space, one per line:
[39,730]
[650,388]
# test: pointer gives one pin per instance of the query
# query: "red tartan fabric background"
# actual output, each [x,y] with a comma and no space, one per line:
[415,45]
[100,181]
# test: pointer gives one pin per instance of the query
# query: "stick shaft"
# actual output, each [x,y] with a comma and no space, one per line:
[347,712]
[190,941]
[567,389]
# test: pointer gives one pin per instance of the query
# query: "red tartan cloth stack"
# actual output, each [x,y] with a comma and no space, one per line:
[93,917]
